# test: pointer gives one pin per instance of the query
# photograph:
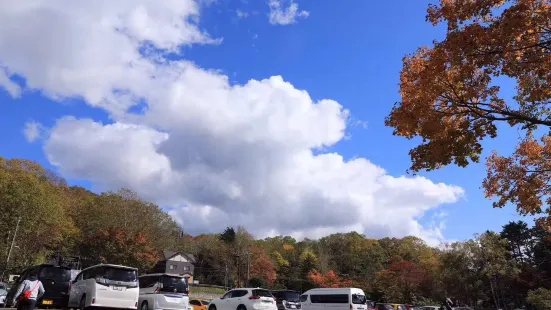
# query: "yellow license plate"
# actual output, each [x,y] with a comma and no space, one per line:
[47,302]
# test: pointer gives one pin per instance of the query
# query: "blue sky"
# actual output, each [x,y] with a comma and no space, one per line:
[348,53]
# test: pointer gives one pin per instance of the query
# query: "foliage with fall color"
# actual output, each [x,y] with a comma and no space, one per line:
[495,270]
[451,96]
[330,279]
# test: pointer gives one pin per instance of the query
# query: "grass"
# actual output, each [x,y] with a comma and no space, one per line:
[207,290]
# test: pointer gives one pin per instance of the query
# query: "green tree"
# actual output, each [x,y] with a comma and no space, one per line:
[540,298]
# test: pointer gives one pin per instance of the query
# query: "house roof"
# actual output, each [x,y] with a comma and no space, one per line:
[169,254]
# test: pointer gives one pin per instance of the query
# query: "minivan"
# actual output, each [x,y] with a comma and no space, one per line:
[56,281]
[334,299]
[105,285]
[163,291]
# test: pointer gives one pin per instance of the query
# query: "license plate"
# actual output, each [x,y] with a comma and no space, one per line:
[117,288]
[47,302]
[172,299]
[293,307]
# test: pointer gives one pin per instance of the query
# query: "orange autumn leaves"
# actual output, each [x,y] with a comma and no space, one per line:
[120,246]
[523,178]
[329,280]
[451,100]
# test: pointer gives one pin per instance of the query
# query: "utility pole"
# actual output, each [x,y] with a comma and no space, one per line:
[238,272]
[226,277]
[11,248]
[248,266]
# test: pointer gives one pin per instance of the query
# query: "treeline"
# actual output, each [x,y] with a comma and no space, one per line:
[58,219]
[504,269]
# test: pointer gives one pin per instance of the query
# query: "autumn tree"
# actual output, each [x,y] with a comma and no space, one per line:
[329,280]
[401,281]
[262,267]
[119,246]
[450,95]
[31,194]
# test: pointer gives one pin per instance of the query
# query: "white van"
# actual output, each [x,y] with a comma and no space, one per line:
[111,286]
[334,299]
[163,291]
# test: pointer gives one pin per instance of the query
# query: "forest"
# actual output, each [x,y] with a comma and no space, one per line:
[507,268]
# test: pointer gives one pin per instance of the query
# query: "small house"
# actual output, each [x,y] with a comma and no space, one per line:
[177,263]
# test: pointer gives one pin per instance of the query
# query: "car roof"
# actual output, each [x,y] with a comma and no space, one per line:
[161,274]
[111,265]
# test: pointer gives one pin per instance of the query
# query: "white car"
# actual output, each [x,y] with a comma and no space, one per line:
[245,299]
[110,286]
[163,291]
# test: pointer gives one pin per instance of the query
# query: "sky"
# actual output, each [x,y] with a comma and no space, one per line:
[262,113]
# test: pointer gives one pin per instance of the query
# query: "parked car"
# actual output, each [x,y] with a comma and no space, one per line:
[3,294]
[371,305]
[428,308]
[163,291]
[387,306]
[245,298]
[199,304]
[287,299]
[56,281]
[334,299]
[105,285]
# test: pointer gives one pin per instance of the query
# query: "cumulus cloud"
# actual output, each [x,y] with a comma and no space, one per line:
[217,153]
[281,15]
[32,131]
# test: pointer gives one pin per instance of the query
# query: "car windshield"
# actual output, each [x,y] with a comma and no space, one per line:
[174,284]
[3,292]
[58,274]
[291,296]
[359,299]
[262,293]
[120,274]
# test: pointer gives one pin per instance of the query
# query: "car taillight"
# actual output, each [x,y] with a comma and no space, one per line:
[136,304]
[157,290]
[254,297]
[70,285]
[351,307]
[93,300]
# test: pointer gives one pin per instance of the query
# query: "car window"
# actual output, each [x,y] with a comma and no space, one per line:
[174,284]
[227,295]
[262,293]
[238,293]
[57,274]
[359,299]
[148,281]
[117,274]
[291,296]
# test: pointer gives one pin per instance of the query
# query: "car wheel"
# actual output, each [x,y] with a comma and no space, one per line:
[212,307]
[241,307]
[144,306]
[82,305]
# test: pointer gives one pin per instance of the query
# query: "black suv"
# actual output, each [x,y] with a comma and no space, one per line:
[55,279]
[287,299]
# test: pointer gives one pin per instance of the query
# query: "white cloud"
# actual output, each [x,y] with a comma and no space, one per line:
[242,14]
[32,131]
[12,88]
[218,154]
[279,15]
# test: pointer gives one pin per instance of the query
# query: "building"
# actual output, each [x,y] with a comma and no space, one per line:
[176,263]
